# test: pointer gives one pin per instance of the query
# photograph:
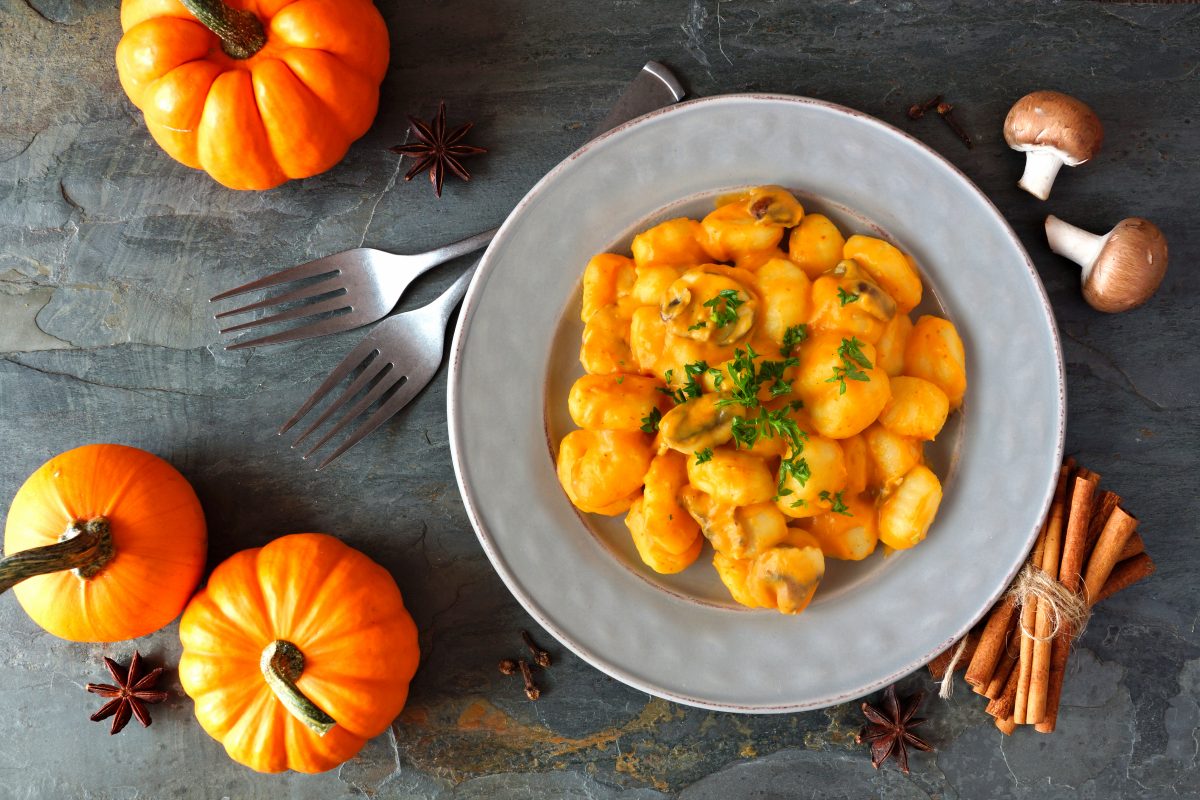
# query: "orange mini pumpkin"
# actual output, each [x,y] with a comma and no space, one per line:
[296,653]
[254,92]
[107,541]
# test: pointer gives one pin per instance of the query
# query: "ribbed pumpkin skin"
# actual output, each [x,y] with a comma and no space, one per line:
[345,614]
[289,111]
[158,534]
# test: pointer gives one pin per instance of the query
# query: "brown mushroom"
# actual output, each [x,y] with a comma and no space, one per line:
[1121,269]
[1052,129]
[705,421]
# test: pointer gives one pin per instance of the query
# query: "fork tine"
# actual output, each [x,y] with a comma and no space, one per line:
[372,395]
[310,269]
[342,322]
[356,357]
[323,286]
[379,366]
[319,307]
[388,410]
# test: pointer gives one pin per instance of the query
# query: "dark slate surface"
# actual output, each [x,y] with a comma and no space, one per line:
[109,251]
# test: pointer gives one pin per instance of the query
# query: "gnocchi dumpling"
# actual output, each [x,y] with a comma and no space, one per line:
[908,509]
[850,534]
[842,388]
[816,245]
[653,554]
[602,471]
[934,352]
[736,531]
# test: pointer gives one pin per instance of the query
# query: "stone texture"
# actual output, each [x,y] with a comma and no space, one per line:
[109,251]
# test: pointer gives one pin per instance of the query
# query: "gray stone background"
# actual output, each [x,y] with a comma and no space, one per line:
[109,251]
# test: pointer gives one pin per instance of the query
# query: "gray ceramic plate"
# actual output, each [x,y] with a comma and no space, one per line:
[679,637]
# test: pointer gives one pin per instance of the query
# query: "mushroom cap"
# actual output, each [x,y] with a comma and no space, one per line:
[1054,121]
[1129,268]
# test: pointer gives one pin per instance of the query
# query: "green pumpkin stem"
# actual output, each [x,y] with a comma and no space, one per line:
[242,33]
[86,547]
[282,663]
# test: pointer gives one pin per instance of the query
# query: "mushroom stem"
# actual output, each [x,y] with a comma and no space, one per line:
[1041,167]
[1074,243]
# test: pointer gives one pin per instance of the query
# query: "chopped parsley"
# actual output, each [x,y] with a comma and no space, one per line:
[698,326]
[854,360]
[838,505]
[724,307]
[748,378]
[690,389]
[704,455]
[846,297]
[792,338]
[794,467]
[620,380]
[651,420]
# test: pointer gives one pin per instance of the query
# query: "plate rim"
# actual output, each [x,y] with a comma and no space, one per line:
[461,331]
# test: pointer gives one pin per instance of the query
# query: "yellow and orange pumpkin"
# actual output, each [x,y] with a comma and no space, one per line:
[296,653]
[254,92]
[106,542]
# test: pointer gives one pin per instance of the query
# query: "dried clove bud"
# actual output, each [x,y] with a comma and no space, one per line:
[507,666]
[918,110]
[531,689]
[946,112]
[540,656]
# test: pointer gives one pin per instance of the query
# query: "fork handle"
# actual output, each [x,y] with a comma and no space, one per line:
[422,262]
[450,298]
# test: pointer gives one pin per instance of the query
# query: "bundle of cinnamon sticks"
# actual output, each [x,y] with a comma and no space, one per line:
[1016,659]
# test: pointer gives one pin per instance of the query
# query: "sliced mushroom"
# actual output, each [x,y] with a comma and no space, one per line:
[769,205]
[1052,129]
[693,306]
[871,297]
[1122,268]
[699,423]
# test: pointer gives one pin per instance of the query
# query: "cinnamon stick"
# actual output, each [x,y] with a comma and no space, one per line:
[937,667]
[1074,555]
[1006,725]
[1133,547]
[1002,706]
[1004,669]
[992,643]
[1103,506]
[1116,533]
[1124,575]
[1035,617]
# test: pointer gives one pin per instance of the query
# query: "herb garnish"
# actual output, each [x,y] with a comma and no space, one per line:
[853,358]
[704,455]
[698,326]
[690,389]
[846,297]
[724,307]
[748,378]
[651,420]
[838,506]
[792,338]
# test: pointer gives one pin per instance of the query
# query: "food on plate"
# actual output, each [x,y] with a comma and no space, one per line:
[297,653]
[103,543]
[755,382]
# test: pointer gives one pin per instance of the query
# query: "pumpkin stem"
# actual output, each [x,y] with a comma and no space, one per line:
[282,663]
[86,547]
[242,33]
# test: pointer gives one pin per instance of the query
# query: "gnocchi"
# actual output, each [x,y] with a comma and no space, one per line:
[755,383]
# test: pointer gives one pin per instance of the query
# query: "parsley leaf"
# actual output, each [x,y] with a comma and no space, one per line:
[698,326]
[704,455]
[745,432]
[724,307]
[795,467]
[651,420]
[846,297]
[690,389]
[792,338]
[838,505]
[854,360]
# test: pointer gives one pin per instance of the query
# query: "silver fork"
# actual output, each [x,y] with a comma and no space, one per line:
[396,359]
[360,285]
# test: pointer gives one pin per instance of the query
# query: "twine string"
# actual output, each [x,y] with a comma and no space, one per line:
[946,689]
[1067,610]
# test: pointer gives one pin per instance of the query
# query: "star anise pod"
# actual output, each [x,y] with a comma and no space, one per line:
[889,728]
[437,150]
[131,694]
